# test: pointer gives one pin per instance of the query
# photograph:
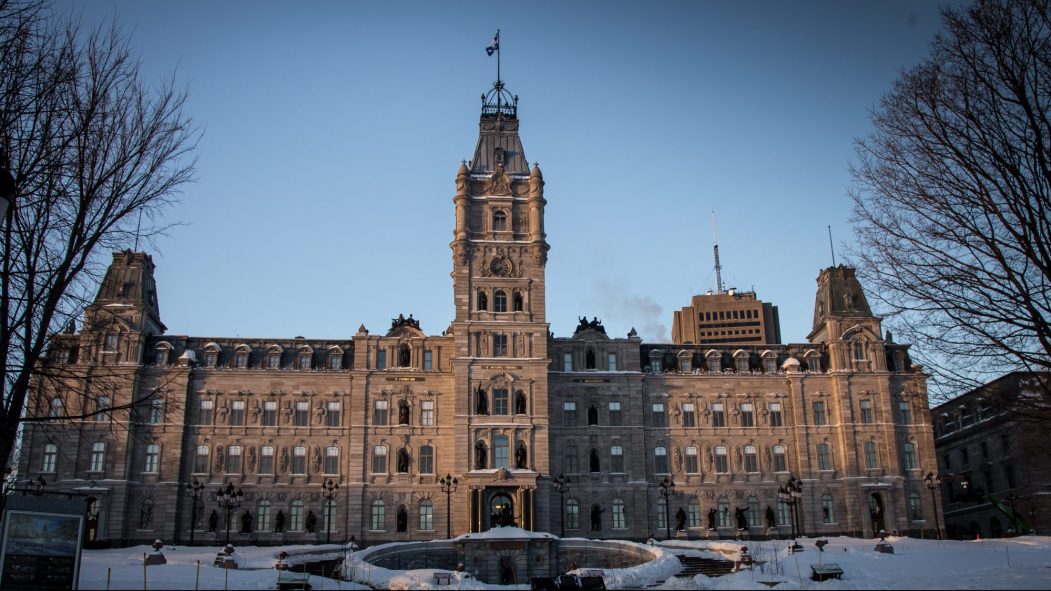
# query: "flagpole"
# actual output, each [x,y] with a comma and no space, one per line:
[498,55]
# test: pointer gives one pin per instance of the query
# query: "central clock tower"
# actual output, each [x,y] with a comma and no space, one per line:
[499,254]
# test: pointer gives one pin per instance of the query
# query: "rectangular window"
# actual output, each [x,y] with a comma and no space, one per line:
[693,466]
[499,345]
[751,460]
[233,459]
[689,417]
[570,462]
[426,515]
[776,419]
[501,452]
[660,460]
[1009,475]
[304,362]
[335,361]
[102,405]
[153,455]
[332,414]
[381,359]
[500,401]
[266,460]
[718,415]
[866,411]
[237,412]
[377,516]
[905,413]
[200,460]
[871,459]
[567,362]
[50,458]
[301,415]
[428,360]
[747,415]
[819,413]
[379,459]
[299,460]
[569,414]
[611,361]
[426,460]
[659,419]
[615,418]
[909,456]
[618,515]
[204,412]
[427,413]
[965,456]
[379,413]
[269,418]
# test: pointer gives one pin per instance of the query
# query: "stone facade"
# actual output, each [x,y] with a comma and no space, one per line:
[495,401]
[995,468]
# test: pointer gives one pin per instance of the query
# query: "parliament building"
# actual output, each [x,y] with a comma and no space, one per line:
[328,439]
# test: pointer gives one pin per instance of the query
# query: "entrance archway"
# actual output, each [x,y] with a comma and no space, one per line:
[877,512]
[501,511]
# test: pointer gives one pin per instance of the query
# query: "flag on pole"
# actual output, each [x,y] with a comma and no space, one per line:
[495,45]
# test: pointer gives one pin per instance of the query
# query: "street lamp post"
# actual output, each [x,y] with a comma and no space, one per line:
[665,488]
[562,486]
[449,484]
[795,488]
[933,483]
[329,494]
[786,499]
[229,499]
[196,490]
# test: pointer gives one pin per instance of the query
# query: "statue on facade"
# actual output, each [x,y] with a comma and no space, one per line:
[279,522]
[742,518]
[311,522]
[213,521]
[680,520]
[711,518]
[246,522]
[771,519]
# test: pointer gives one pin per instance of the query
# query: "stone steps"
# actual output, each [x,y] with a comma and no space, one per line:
[694,565]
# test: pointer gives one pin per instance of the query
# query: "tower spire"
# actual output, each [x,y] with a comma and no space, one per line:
[718,267]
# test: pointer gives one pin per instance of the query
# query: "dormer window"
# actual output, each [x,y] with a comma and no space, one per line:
[335,358]
[273,358]
[211,355]
[741,361]
[241,357]
[111,341]
[499,221]
[161,354]
[304,358]
[769,362]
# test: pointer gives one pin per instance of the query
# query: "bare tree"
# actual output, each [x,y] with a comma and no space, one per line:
[97,155]
[952,199]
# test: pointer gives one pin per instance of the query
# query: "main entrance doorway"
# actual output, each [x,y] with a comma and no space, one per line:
[877,512]
[501,511]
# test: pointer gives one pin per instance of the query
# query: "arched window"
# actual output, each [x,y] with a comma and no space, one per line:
[824,457]
[379,459]
[328,515]
[262,515]
[295,516]
[693,513]
[572,514]
[751,459]
[909,456]
[57,407]
[146,514]
[593,461]
[426,464]
[592,415]
[50,460]
[482,300]
[98,457]
[426,515]
[828,514]
[518,305]
[589,359]
[481,456]
[616,459]
[722,512]
[915,506]
[660,460]
[331,461]
[499,221]
[754,517]
[619,522]
[403,461]
[377,523]
[403,412]
[499,301]
[871,457]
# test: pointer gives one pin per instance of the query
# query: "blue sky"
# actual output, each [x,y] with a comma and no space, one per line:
[333,131]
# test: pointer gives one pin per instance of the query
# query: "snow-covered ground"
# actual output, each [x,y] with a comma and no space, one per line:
[1015,563]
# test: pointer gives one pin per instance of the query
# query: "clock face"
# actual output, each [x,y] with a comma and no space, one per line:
[501,267]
